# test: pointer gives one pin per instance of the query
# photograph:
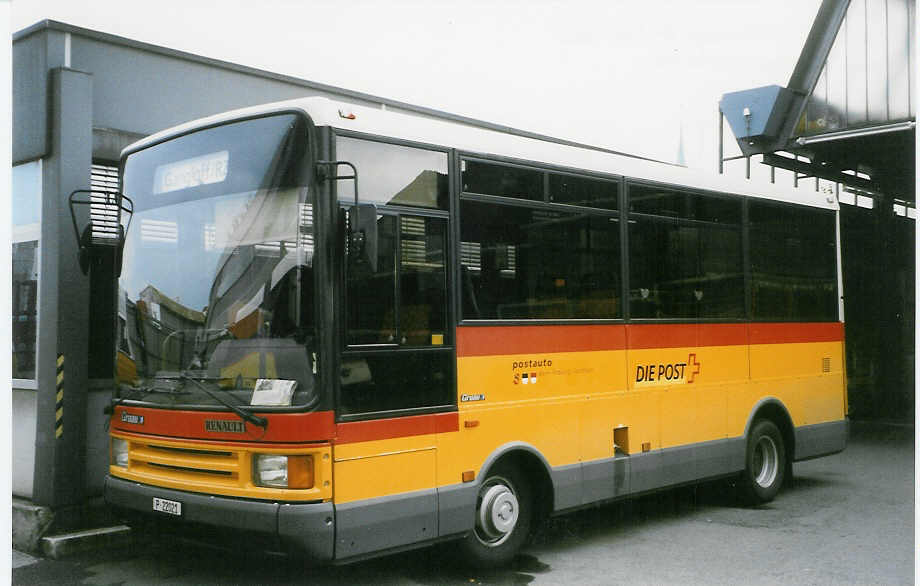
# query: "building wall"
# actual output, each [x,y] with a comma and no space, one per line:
[23,446]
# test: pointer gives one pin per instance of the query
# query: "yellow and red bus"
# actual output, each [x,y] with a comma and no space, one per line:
[356,331]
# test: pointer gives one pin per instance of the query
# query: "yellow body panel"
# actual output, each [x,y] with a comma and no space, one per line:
[383,467]
[384,473]
[579,398]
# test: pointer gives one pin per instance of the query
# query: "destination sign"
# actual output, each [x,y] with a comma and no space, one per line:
[203,170]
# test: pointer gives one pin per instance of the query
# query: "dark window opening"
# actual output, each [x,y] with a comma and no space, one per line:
[685,255]
[398,380]
[502,180]
[793,262]
[521,263]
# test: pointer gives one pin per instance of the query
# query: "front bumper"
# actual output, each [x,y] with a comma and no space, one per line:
[306,528]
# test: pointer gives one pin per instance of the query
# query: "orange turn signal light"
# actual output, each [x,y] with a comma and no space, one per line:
[300,471]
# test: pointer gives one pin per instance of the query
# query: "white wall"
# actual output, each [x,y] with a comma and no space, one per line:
[23,452]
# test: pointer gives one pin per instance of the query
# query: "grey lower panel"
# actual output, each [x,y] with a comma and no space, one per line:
[385,523]
[598,480]
[612,478]
[395,521]
[606,479]
[456,508]
[567,485]
[308,527]
[696,461]
[822,439]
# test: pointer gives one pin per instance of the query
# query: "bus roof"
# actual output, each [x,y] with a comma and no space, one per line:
[475,139]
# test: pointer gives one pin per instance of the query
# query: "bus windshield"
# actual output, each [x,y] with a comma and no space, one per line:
[217,285]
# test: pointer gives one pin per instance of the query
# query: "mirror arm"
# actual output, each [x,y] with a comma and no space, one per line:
[322,173]
[323,168]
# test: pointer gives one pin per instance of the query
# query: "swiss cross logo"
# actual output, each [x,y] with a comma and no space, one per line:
[695,367]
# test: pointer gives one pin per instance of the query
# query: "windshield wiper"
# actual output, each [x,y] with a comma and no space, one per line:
[244,415]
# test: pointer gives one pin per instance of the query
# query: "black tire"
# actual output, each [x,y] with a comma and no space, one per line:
[765,463]
[503,517]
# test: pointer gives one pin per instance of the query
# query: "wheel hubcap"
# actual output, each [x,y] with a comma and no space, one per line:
[498,512]
[766,459]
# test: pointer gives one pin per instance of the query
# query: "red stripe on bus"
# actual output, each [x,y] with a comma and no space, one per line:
[648,336]
[796,333]
[282,427]
[502,340]
[378,429]
[505,340]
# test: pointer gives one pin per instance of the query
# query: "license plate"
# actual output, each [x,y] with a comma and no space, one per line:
[165,506]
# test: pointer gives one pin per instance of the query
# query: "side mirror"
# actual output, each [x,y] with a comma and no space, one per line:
[362,235]
[104,232]
[90,251]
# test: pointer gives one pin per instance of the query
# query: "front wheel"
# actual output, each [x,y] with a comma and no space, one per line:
[504,510]
[765,463]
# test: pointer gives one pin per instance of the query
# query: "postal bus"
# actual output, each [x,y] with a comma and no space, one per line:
[354,331]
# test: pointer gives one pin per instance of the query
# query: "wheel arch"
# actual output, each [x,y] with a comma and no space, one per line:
[533,464]
[772,409]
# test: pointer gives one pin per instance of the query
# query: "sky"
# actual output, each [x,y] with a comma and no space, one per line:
[635,76]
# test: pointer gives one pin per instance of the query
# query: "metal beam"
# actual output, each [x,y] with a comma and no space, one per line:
[818,45]
[856,133]
[811,61]
[819,171]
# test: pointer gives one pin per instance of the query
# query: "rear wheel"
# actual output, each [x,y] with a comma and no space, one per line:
[504,510]
[765,463]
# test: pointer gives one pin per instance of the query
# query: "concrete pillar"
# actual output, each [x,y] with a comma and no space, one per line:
[59,478]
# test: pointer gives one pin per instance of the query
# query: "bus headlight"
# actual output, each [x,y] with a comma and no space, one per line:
[276,471]
[119,452]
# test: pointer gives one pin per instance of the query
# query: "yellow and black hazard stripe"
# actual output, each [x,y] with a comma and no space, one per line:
[59,403]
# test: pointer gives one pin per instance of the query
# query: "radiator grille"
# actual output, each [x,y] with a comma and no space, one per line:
[179,464]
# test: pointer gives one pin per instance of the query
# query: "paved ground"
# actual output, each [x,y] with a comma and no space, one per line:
[848,519]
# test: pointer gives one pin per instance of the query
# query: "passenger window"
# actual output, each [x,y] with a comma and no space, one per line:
[793,261]
[522,263]
[502,180]
[685,255]
[393,174]
[583,191]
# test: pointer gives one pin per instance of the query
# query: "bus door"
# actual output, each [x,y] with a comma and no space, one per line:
[396,382]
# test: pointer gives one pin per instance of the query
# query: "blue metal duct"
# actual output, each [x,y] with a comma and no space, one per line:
[756,116]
